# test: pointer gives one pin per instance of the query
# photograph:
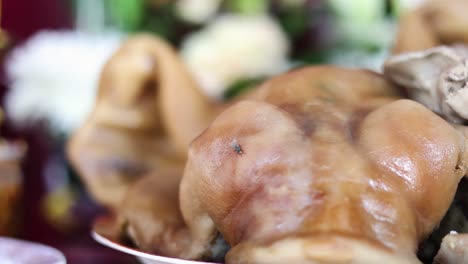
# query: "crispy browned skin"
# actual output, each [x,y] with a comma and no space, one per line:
[322,165]
[147,111]
[436,23]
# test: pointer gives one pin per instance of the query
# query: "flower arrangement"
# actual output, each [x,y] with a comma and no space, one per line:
[227,44]
[53,77]
[233,47]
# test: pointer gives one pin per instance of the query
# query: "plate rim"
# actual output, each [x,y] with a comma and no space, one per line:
[103,240]
[61,259]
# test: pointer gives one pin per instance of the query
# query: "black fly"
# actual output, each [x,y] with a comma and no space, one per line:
[237,147]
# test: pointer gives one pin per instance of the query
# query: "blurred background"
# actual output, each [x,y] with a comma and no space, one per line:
[52,52]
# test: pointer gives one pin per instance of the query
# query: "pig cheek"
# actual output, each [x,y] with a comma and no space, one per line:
[218,164]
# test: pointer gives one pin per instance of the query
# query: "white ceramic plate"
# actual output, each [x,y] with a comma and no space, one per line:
[14,251]
[100,236]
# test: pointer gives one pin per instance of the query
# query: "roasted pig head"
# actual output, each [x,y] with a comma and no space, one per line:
[321,165]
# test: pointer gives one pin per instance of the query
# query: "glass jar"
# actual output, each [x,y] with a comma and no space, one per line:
[11,154]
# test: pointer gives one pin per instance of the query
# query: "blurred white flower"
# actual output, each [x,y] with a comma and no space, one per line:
[54,76]
[197,11]
[235,47]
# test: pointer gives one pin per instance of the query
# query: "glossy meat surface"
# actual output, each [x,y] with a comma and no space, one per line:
[321,165]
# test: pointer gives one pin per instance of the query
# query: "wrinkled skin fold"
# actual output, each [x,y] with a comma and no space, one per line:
[435,77]
[430,57]
[321,165]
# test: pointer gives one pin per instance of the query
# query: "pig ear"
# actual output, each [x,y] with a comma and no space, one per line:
[419,72]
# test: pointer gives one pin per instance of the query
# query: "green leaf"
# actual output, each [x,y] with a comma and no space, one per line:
[127,14]
[248,6]
[294,21]
[241,86]
[163,22]
[400,7]
[313,57]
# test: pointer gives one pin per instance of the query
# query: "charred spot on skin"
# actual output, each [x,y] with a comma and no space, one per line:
[237,147]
